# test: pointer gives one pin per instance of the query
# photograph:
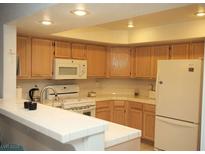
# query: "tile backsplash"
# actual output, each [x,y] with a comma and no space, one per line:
[100,86]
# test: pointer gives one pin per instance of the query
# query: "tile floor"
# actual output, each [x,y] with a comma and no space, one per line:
[146,147]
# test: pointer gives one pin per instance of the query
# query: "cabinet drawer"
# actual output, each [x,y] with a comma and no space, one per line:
[148,108]
[119,103]
[135,105]
[103,104]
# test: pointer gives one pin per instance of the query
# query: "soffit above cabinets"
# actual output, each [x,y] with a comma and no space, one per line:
[105,22]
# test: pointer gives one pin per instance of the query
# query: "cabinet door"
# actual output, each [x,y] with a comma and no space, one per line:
[179,51]
[148,122]
[96,60]
[148,125]
[134,115]
[143,61]
[103,110]
[197,50]
[119,112]
[120,62]
[78,51]
[62,49]
[42,58]
[23,57]
[158,53]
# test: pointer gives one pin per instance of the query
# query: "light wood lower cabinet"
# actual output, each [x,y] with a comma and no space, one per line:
[119,112]
[132,114]
[103,110]
[148,122]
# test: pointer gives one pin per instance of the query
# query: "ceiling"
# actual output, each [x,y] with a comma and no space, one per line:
[107,15]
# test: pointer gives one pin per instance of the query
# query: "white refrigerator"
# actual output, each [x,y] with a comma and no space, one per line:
[178,105]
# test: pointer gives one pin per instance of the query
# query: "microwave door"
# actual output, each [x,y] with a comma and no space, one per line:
[68,72]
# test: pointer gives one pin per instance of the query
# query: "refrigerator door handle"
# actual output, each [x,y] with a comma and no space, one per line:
[176,122]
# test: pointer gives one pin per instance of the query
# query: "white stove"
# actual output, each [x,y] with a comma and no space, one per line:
[70,100]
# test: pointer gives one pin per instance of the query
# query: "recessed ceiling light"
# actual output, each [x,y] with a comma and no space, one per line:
[200,14]
[46,22]
[130,26]
[79,12]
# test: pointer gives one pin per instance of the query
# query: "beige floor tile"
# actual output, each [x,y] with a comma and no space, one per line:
[146,147]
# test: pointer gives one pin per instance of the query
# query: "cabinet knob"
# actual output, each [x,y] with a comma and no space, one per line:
[160,82]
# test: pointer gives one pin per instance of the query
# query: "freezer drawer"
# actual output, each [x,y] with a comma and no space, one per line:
[174,135]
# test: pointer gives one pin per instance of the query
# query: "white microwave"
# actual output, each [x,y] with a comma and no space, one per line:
[69,69]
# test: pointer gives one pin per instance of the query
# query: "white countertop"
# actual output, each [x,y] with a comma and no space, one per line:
[126,98]
[117,134]
[61,125]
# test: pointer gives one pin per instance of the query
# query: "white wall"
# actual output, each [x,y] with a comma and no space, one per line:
[8,13]
[9,61]
[202,147]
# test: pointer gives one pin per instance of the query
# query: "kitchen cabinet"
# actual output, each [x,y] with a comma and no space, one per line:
[148,122]
[197,50]
[62,49]
[23,57]
[96,61]
[119,112]
[103,110]
[78,51]
[179,51]
[134,115]
[120,62]
[158,53]
[143,62]
[42,58]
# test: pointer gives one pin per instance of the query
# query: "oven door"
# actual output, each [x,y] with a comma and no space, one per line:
[89,111]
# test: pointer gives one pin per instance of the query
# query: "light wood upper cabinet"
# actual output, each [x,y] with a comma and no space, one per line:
[23,57]
[148,122]
[197,50]
[78,51]
[179,51]
[42,58]
[96,60]
[103,110]
[158,53]
[120,62]
[143,61]
[134,115]
[119,112]
[62,49]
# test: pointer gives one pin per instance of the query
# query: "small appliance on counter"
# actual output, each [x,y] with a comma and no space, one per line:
[91,94]
[34,94]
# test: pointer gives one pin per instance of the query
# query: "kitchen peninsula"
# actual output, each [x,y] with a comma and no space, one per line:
[49,128]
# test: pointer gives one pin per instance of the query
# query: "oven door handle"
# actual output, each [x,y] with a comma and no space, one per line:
[87,109]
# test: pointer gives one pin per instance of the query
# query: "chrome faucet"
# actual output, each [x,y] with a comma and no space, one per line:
[43,90]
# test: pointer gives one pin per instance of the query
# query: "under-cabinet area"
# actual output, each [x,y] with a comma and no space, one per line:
[133,114]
